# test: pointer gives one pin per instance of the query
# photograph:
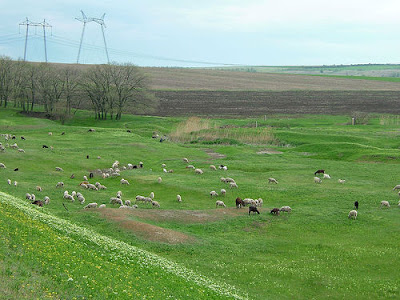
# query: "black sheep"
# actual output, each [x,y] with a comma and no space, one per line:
[91,175]
[275,211]
[45,146]
[253,209]
[356,205]
[319,172]
[239,203]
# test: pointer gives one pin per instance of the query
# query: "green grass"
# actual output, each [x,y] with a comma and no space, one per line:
[315,252]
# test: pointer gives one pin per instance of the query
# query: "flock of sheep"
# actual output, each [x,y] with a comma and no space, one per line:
[115,170]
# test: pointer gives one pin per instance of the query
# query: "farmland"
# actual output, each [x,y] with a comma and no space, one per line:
[191,249]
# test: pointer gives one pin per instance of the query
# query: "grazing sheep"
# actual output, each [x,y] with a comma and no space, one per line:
[198,171]
[119,194]
[2,166]
[223,192]
[92,187]
[190,167]
[91,205]
[212,167]
[317,180]
[45,146]
[59,184]
[275,211]
[341,181]
[233,185]
[326,176]
[21,150]
[170,171]
[159,179]
[253,209]
[219,203]
[248,201]
[14,146]
[81,199]
[69,197]
[92,130]
[151,195]
[163,165]
[165,170]
[140,165]
[385,204]
[38,203]
[260,202]
[50,133]
[72,176]
[84,185]
[33,197]
[124,181]
[213,194]
[114,200]
[353,214]
[99,157]
[15,183]
[319,172]
[286,209]
[272,180]
[185,160]
[140,198]
[39,188]
[356,205]
[59,169]
[222,167]
[85,178]
[223,179]
[229,180]
[46,200]
[128,203]
[102,206]
[9,181]
[179,198]
[239,203]
[397,187]
[155,204]
[28,196]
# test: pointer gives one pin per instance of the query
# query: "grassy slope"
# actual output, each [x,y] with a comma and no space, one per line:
[313,253]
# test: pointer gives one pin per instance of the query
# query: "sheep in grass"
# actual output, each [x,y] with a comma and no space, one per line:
[50,133]
[84,185]
[9,181]
[151,195]
[102,206]
[233,185]
[59,184]
[229,180]
[326,176]
[39,188]
[14,146]
[223,192]
[198,171]
[223,179]
[212,167]
[38,203]
[21,150]
[81,199]
[128,203]
[179,198]
[140,198]
[222,167]
[317,180]
[159,179]
[69,197]
[253,209]
[341,181]
[275,211]
[46,200]
[165,170]
[163,165]
[85,178]
[219,203]
[260,202]
[114,200]
[155,204]
[91,205]
[248,201]
[185,160]
[59,169]
[15,183]
[397,187]
[239,203]
[33,197]
[92,187]
[272,180]
[124,181]
[285,209]
[28,196]
[119,194]
[352,214]
[213,194]
[2,166]
[385,204]
[190,167]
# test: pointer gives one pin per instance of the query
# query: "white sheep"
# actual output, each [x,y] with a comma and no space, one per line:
[85,178]
[212,167]
[59,169]
[159,179]
[155,204]
[84,185]
[179,198]
[272,180]
[81,199]
[152,195]
[260,202]
[50,133]
[219,203]
[69,197]
[341,181]
[21,150]
[114,200]
[198,171]
[326,176]
[286,209]
[124,181]
[397,187]
[73,194]
[213,194]
[223,192]
[148,200]
[223,179]
[39,188]
[229,180]
[102,206]
[163,165]
[33,197]
[140,198]
[128,203]
[15,183]
[353,214]
[385,204]
[190,167]
[59,184]
[2,166]
[46,200]
[14,146]
[119,194]
[28,196]
[248,201]
[233,185]
[165,170]
[185,160]
[91,205]
[317,180]
[9,181]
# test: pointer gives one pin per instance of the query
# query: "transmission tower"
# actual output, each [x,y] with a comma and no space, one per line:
[100,21]
[44,25]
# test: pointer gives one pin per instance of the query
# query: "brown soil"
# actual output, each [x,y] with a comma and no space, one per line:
[213,154]
[269,151]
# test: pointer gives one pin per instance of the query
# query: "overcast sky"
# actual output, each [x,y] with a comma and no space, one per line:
[194,33]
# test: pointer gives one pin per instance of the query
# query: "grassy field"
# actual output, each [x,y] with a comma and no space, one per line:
[191,250]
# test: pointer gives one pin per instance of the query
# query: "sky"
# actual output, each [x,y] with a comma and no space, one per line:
[192,33]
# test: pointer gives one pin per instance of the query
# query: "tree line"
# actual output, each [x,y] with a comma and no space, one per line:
[108,90]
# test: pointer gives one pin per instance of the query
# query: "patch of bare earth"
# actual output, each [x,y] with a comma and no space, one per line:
[269,151]
[213,154]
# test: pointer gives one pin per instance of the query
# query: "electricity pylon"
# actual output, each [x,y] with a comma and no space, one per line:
[100,21]
[43,24]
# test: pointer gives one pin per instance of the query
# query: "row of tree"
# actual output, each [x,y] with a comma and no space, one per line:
[109,90]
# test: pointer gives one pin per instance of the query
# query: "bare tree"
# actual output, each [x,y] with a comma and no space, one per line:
[71,78]
[51,86]
[6,79]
